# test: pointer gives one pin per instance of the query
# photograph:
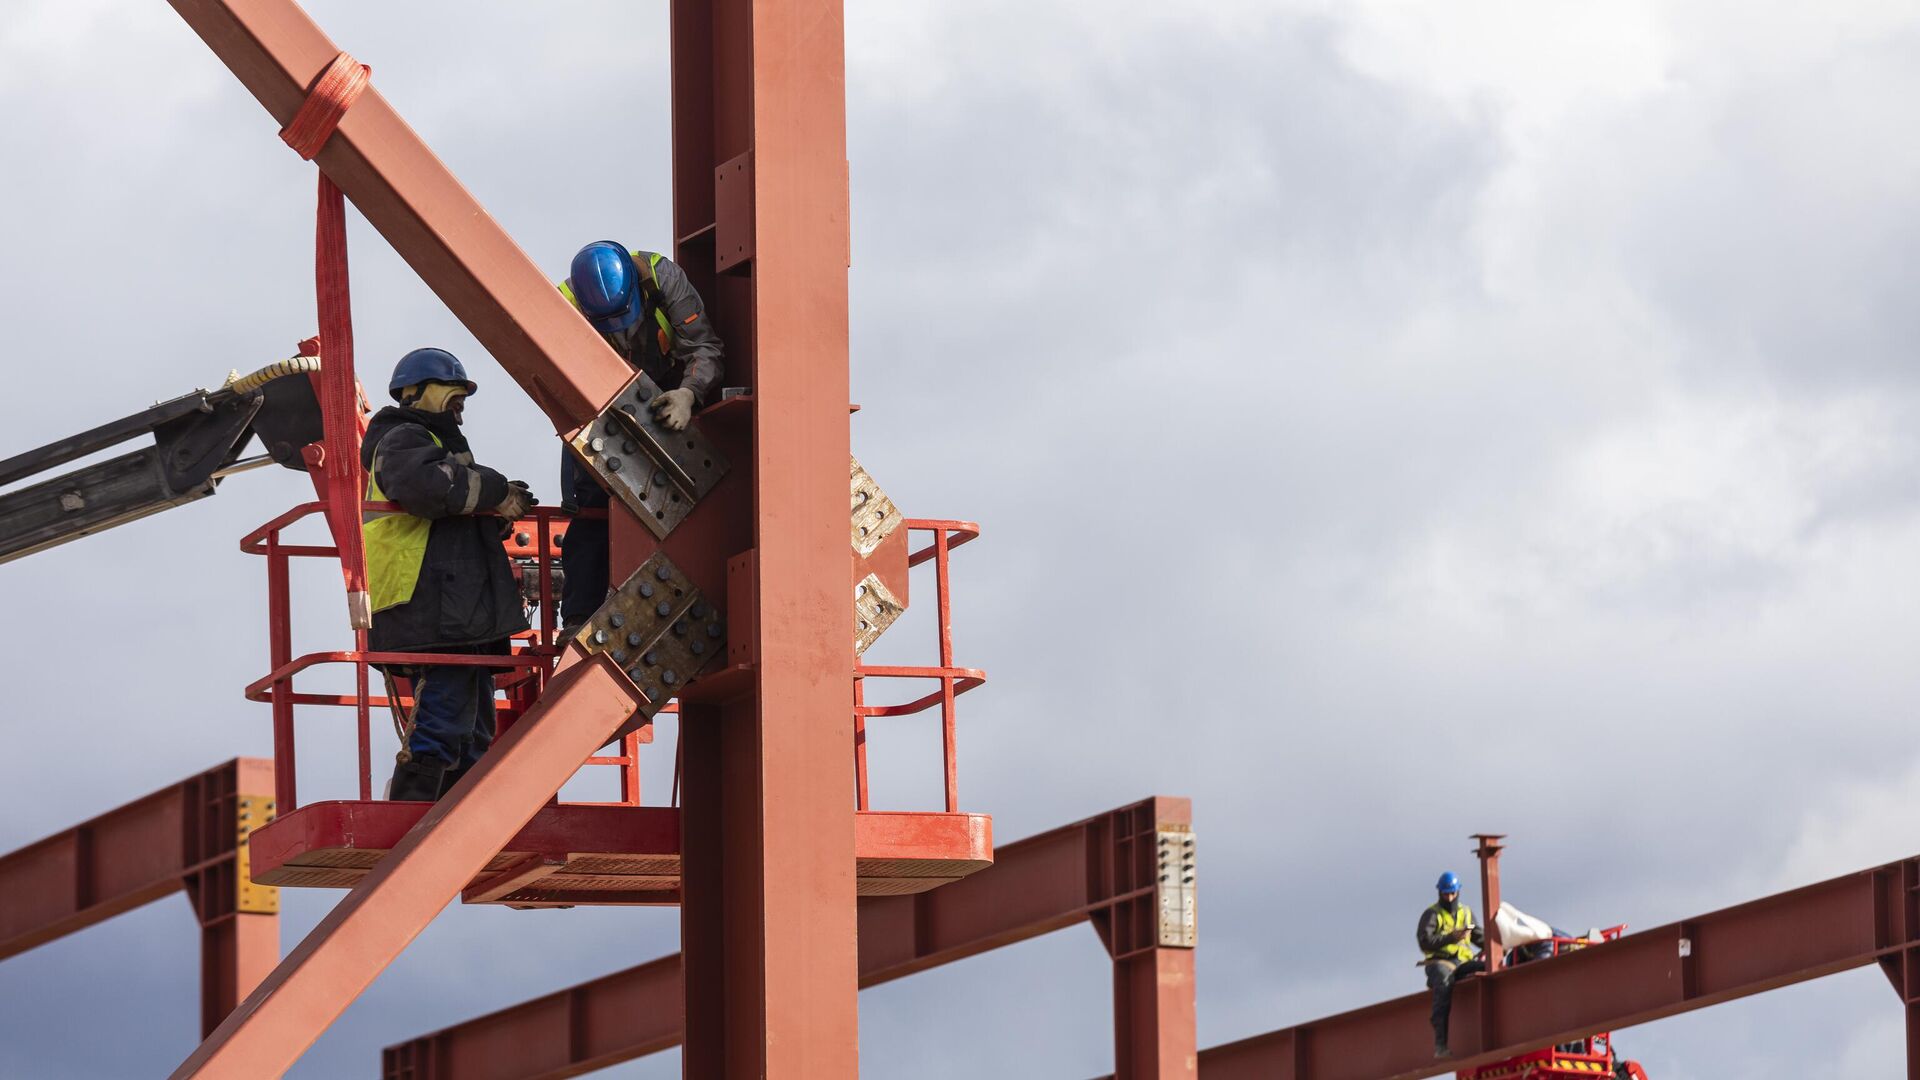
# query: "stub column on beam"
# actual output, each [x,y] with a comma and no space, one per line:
[1151,929]
[426,870]
[239,920]
[421,209]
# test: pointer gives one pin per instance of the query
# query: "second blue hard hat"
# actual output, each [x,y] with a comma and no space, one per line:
[425,366]
[606,286]
[1449,882]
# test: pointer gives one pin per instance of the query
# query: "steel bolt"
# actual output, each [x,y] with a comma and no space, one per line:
[669,677]
[634,639]
[597,444]
[659,478]
[680,628]
[617,619]
[698,647]
[629,446]
[646,589]
[613,464]
[662,573]
[619,656]
[713,630]
[651,658]
[664,608]
[599,637]
[699,611]
[522,539]
[636,673]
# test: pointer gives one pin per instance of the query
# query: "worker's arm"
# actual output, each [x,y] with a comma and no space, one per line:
[427,482]
[1428,933]
[696,347]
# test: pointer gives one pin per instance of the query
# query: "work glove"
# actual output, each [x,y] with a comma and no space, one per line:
[519,500]
[674,409]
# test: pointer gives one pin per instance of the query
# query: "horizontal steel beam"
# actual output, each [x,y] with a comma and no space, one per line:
[1788,938]
[1035,886]
[118,861]
[432,221]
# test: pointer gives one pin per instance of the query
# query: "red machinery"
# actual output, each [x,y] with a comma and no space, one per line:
[1582,1058]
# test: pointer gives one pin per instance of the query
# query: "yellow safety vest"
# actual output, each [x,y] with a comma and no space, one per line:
[1444,923]
[396,545]
[659,312]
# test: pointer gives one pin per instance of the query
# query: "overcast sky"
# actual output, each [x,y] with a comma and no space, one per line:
[1348,392]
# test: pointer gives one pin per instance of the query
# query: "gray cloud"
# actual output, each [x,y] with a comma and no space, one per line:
[1327,419]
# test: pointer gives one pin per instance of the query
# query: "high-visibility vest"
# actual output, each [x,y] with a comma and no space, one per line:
[1444,923]
[649,294]
[396,544]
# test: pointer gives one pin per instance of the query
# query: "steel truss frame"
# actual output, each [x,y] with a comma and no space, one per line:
[1091,871]
[187,837]
[760,210]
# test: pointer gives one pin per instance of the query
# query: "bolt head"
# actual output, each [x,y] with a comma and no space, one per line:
[663,608]
[669,677]
[634,639]
[617,619]
[646,589]
[713,630]
[613,464]
[662,573]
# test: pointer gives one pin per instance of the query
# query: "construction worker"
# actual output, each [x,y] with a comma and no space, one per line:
[1447,938]
[438,578]
[644,306]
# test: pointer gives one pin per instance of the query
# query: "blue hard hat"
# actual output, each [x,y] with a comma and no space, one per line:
[428,365]
[606,286]
[1449,882]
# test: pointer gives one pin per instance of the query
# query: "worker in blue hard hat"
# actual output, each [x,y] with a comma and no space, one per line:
[437,576]
[1447,938]
[647,309]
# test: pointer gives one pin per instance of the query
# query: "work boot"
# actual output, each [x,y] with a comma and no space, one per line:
[1440,1049]
[416,781]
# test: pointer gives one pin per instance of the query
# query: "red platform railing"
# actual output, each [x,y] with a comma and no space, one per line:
[953,681]
[534,544]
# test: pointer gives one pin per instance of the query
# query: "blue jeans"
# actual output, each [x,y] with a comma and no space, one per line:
[452,714]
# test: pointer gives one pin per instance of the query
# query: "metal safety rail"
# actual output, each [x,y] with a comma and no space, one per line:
[953,681]
[535,544]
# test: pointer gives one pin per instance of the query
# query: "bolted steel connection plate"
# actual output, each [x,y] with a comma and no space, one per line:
[659,628]
[658,474]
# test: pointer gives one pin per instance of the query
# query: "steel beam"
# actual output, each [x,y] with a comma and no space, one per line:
[1035,886]
[432,221]
[1788,938]
[455,841]
[768,920]
[189,836]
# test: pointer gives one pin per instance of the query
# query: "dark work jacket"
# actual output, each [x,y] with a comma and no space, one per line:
[466,594]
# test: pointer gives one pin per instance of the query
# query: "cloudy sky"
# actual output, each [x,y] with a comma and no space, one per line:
[1358,398]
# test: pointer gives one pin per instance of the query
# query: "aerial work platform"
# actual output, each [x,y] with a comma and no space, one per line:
[582,853]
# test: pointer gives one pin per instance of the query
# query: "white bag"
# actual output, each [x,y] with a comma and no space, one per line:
[1515,928]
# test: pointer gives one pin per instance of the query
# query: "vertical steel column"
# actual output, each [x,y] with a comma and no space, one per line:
[1146,867]
[1488,851]
[768,920]
[239,921]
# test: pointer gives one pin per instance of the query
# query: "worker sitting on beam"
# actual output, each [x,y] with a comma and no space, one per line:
[647,310]
[437,575]
[1447,937]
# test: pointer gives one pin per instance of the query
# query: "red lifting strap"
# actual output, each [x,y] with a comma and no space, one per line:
[331,95]
[337,88]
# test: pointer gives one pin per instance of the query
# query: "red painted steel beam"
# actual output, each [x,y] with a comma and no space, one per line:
[1788,938]
[185,837]
[1035,886]
[432,221]
[427,869]
[768,913]
[114,863]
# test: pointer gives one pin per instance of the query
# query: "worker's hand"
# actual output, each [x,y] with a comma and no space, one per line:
[1458,935]
[519,500]
[674,409]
